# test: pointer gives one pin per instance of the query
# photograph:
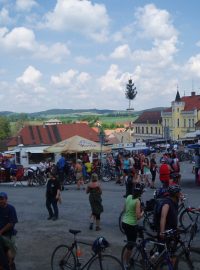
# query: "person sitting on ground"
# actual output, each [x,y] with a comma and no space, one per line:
[8,219]
[95,191]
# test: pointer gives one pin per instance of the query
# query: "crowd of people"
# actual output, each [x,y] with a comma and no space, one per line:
[135,171]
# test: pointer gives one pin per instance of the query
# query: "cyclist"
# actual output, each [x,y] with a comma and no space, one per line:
[8,219]
[169,210]
[132,214]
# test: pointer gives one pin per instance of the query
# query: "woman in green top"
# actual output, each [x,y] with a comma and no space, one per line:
[132,214]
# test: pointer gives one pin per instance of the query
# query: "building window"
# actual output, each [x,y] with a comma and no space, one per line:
[177,122]
[159,130]
[184,122]
[142,130]
[151,130]
[192,122]
[165,122]
[138,129]
[147,130]
[156,130]
[189,123]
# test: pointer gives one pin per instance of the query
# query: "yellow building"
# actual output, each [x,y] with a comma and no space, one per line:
[181,117]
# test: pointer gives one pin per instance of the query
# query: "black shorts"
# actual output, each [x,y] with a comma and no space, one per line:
[131,234]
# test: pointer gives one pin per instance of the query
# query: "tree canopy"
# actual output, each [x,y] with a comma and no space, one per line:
[4,128]
[130,91]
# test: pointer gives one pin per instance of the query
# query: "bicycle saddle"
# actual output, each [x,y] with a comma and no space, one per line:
[74,231]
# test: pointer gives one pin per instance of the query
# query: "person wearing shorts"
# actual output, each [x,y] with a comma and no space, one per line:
[129,223]
[8,219]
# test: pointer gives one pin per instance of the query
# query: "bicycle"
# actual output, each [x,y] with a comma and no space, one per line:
[68,257]
[187,216]
[147,253]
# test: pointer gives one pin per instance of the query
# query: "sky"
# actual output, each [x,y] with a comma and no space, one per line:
[80,54]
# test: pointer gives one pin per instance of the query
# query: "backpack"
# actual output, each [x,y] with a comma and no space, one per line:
[157,212]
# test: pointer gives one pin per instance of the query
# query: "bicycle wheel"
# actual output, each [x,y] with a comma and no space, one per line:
[106,176]
[189,261]
[120,221]
[135,262]
[148,221]
[186,218]
[63,258]
[105,262]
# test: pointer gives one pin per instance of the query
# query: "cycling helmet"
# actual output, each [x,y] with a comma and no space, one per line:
[173,189]
[99,244]
[161,192]
[139,188]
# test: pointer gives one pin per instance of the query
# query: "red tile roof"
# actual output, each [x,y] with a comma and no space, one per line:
[150,117]
[191,103]
[51,134]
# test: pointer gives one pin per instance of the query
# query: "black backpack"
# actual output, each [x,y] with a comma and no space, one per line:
[157,211]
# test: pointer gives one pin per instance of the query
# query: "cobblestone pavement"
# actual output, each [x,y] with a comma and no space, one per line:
[37,237]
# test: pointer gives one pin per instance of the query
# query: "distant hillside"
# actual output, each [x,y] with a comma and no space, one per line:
[71,112]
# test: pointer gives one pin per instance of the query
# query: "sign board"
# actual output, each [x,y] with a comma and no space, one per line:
[122,145]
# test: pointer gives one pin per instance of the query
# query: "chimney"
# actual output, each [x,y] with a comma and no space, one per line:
[193,93]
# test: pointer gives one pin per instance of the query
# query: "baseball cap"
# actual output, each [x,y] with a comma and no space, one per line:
[3,195]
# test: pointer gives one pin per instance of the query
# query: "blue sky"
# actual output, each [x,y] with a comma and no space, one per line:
[80,54]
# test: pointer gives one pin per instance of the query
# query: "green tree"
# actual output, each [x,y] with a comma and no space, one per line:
[130,92]
[4,128]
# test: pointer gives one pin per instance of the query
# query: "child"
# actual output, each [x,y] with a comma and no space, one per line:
[95,200]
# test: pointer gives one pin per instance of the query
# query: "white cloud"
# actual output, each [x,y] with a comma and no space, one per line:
[54,53]
[17,38]
[64,79]
[198,43]
[23,39]
[72,79]
[25,5]
[156,23]
[31,76]
[79,16]
[193,66]
[114,79]
[81,60]
[120,52]
[83,78]
[4,17]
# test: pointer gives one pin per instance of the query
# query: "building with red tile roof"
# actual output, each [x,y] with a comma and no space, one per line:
[45,135]
[182,117]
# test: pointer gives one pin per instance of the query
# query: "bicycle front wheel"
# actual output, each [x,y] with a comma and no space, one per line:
[189,261]
[105,262]
[186,218]
[63,258]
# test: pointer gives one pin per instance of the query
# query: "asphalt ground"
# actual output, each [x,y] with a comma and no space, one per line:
[37,237]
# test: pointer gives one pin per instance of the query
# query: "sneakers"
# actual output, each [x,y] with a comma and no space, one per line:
[91,226]
[50,217]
